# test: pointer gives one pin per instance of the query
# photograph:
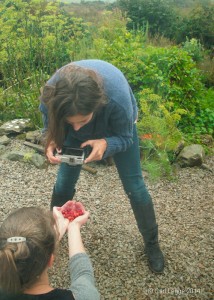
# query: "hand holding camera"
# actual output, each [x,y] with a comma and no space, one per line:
[91,150]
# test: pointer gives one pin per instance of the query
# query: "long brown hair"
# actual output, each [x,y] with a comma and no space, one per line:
[22,263]
[78,91]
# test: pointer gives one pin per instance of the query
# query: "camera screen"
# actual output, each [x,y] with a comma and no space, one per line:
[73,151]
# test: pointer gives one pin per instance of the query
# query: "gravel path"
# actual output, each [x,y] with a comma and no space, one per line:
[184,209]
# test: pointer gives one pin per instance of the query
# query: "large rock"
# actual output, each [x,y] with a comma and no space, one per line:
[4,140]
[15,126]
[36,159]
[191,156]
[14,155]
[34,136]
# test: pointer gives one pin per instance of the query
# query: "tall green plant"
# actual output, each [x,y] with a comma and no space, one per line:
[173,75]
[36,34]
[22,99]
[37,38]
[155,119]
[158,133]
[194,49]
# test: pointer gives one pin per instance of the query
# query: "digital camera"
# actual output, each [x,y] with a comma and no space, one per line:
[72,156]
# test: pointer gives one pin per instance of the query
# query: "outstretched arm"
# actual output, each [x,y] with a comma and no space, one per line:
[75,243]
[82,275]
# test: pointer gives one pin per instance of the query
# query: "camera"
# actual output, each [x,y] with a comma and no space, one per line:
[72,156]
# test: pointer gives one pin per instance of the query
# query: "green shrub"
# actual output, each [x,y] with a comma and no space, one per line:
[173,75]
[37,38]
[158,133]
[203,120]
[207,69]
[194,49]
[37,35]
[21,100]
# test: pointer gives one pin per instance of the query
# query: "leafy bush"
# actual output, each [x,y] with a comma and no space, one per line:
[37,35]
[159,15]
[203,120]
[171,19]
[21,99]
[207,68]
[158,133]
[37,38]
[169,72]
[173,75]
[198,24]
[194,49]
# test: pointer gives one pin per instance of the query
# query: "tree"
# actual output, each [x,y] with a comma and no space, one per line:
[159,14]
[200,25]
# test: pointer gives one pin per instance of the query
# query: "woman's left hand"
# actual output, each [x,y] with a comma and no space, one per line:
[61,222]
[98,149]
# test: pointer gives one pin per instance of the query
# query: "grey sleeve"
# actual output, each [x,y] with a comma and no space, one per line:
[82,278]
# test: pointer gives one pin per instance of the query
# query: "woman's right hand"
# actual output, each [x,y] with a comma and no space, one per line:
[50,154]
[79,221]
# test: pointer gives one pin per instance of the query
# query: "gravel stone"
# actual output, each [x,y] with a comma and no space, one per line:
[184,210]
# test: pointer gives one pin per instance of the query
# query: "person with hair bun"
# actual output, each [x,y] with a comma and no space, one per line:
[89,103]
[28,241]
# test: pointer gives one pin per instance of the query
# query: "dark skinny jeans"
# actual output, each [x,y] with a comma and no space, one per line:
[130,172]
